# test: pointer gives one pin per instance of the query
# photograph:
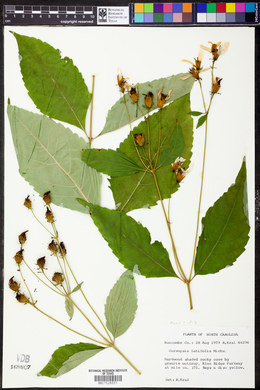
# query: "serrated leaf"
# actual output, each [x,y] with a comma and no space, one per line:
[111,162]
[49,157]
[54,84]
[69,308]
[225,229]
[77,287]
[121,305]
[201,120]
[195,113]
[131,242]
[118,115]
[138,190]
[67,357]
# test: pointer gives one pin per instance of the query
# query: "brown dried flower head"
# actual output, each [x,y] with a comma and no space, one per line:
[47,197]
[196,67]
[49,215]
[216,49]
[53,247]
[13,285]
[28,202]
[139,139]
[148,99]
[57,277]
[19,256]
[41,262]
[22,237]
[63,249]
[121,80]
[21,298]
[133,92]
[162,98]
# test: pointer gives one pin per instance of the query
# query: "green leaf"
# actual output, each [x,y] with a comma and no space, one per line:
[201,120]
[225,229]
[139,189]
[77,288]
[121,305]
[54,84]
[110,162]
[69,308]
[118,115]
[195,113]
[131,242]
[49,157]
[67,357]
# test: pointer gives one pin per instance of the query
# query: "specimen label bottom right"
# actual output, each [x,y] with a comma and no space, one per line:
[208,356]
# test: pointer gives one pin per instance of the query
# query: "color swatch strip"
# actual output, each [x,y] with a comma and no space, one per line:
[238,13]
[163,13]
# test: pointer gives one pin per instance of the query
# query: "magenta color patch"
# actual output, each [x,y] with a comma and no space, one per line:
[177,18]
[240,7]
[167,7]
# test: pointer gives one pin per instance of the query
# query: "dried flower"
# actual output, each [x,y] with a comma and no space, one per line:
[41,262]
[163,98]
[139,139]
[133,92]
[177,168]
[19,256]
[121,80]
[47,197]
[21,298]
[196,68]
[49,215]
[177,163]
[13,285]
[57,277]
[148,99]
[22,237]
[28,202]
[216,49]
[63,250]
[216,85]
[53,247]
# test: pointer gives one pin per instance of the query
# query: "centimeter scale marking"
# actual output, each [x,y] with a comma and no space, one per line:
[136,14]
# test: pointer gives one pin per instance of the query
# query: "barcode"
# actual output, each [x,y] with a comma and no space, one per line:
[108,378]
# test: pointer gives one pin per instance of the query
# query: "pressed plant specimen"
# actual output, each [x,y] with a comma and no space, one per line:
[147,168]
[120,307]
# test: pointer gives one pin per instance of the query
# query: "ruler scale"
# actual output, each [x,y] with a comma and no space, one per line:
[136,14]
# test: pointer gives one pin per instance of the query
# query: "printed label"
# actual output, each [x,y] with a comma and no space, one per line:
[113,15]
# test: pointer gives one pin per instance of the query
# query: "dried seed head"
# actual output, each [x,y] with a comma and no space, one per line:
[53,247]
[63,249]
[21,298]
[41,262]
[19,256]
[47,197]
[22,237]
[163,98]
[133,92]
[13,285]
[149,99]
[28,202]
[57,277]
[49,215]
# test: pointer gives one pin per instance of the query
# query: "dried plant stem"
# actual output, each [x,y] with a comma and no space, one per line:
[124,357]
[91,111]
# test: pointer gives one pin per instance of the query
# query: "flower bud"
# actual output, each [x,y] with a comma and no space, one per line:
[22,237]
[57,277]
[46,197]
[63,250]
[53,247]
[49,215]
[21,298]
[19,256]
[41,262]
[13,285]
[149,99]
[28,202]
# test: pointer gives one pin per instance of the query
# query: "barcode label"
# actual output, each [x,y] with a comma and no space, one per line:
[108,378]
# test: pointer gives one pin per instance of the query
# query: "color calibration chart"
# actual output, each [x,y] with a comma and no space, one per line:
[194,13]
